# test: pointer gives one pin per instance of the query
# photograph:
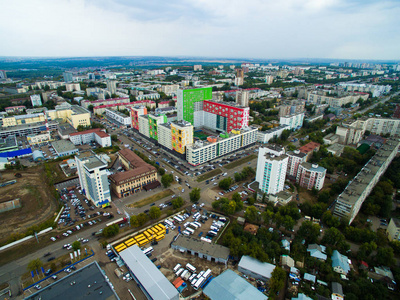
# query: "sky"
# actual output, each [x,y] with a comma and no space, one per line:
[265,29]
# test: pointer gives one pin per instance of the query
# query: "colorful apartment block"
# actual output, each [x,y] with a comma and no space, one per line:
[154,121]
[135,112]
[182,135]
[190,101]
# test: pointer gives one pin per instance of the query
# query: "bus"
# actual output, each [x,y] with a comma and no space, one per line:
[190,268]
[150,231]
[154,229]
[176,268]
[130,243]
[177,219]
[161,226]
[207,273]
[139,238]
[143,242]
[194,225]
[190,230]
[117,221]
[199,282]
[158,227]
[179,272]
[159,237]
[121,247]
[148,235]
[193,282]
[147,251]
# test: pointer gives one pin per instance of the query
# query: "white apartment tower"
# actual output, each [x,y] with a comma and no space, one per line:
[112,86]
[271,169]
[242,98]
[92,172]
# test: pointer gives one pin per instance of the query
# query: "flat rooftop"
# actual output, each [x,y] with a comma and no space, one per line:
[26,126]
[66,129]
[79,110]
[89,283]
[117,113]
[63,146]
[8,142]
[196,245]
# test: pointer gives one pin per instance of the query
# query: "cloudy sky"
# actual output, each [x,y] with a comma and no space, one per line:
[344,29]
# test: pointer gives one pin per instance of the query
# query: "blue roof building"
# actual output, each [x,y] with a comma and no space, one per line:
[340,263]
[230,285]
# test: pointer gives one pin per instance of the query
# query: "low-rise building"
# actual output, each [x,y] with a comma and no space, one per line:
[330,139]
[139,174]
[15,109]
[119,118]
[393,230]
[317,251]
[97,135]
[340,263]
[336,149]
[267,135]
[64,148]
[34,139]
[255,268]
[8,144]
[309,148]
[337,291]
[25,129]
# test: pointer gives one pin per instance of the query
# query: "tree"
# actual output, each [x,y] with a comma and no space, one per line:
[142,218]
[225,183]
[111,231]
[76,245]
[177,202]
[134,221]
[251,214]
[167,179]
[171,103]
[195,195]
[161,171]
[35,264]
[332,237]
[90,107]
[384,256]
[277,280]
[114,137]
[155,212]
[309,232]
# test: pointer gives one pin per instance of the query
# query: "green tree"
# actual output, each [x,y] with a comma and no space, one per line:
[111,231]
[161,171]
[177,202]
[333,237]
[35,264]
[385,256]
[76,245]
[309,232]
[142,218]
[155,212]
[114,137]
[167,179]
[134,221]
[225,183]
[251,214]
[277,281]
[195,195]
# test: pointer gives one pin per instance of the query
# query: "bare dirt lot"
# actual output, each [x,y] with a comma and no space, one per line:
[37,204]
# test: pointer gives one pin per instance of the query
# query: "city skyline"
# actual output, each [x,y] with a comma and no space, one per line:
[333,29]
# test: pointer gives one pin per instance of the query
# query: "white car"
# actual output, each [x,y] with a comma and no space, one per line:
[183,190]
[202,204]
[90,223]
[53,238]
[65,234]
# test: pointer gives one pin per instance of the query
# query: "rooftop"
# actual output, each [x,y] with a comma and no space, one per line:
[63,146]
[86,131]
[151,278]
[26,126]
[313,167]
[311,146]
[118,113]
[8,142]
[89,284]
[230,285]
[255,266]
[196,245]
[122,177]
[77,110]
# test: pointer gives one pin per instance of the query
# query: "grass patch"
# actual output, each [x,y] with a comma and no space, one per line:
[152,199]
[209,175]
[240,161]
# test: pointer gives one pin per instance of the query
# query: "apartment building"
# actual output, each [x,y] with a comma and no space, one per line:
[154,121]
[349,202]
[242,98]
[271,169]
[318,97]
[138,175]
[15,109]
[165,135]
[92,135]
[393,230]
[181,135]
[144,125]
[36,100]
[112,86]
[135,112]
[294,121]
[190,103]
[295,158]
[267,135]
[87,103]
[169,90]
[310,176]
[291,107]
[92,172]
[118,118]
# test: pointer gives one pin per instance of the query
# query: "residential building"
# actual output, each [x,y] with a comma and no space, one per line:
[242,98]
[36,100]
[310,176]
[92,172]
[181,136]
[295,158]
[154,121]
[349,202]
[294,121]
[266,136]
[3,74]
[68,77]
[70,87]
[34,139]
[190,103]
[97,135]
[317,251]
[393,230]
[202,151]
[269,79]
[291,107]
[118,118]
[375,90]
[337,291]
[165,135]
[135,112]
[87,103]
[309,148]
[15,109]
[149,96]
[137,176]
[197,68]
[317,97]
[340,263]
[239,79]
[144,125]
[147,276]
[112,86]
[255,268]
[169,90]
[271,169]
[64,148]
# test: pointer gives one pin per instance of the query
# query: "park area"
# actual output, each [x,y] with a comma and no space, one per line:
[37,203]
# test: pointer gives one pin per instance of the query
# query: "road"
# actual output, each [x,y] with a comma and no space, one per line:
[375,104]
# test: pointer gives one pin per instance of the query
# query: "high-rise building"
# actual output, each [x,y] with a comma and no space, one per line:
[36,100]
[112,86]
[242,98]
[269,79]
[197,67]
[310,176]
[271,169]
[295,159]
[3,74]
[182,135]
[68,77]
[396,113]
[135,112]
[154,121]
[190,103]
[92,172]
[239,79]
